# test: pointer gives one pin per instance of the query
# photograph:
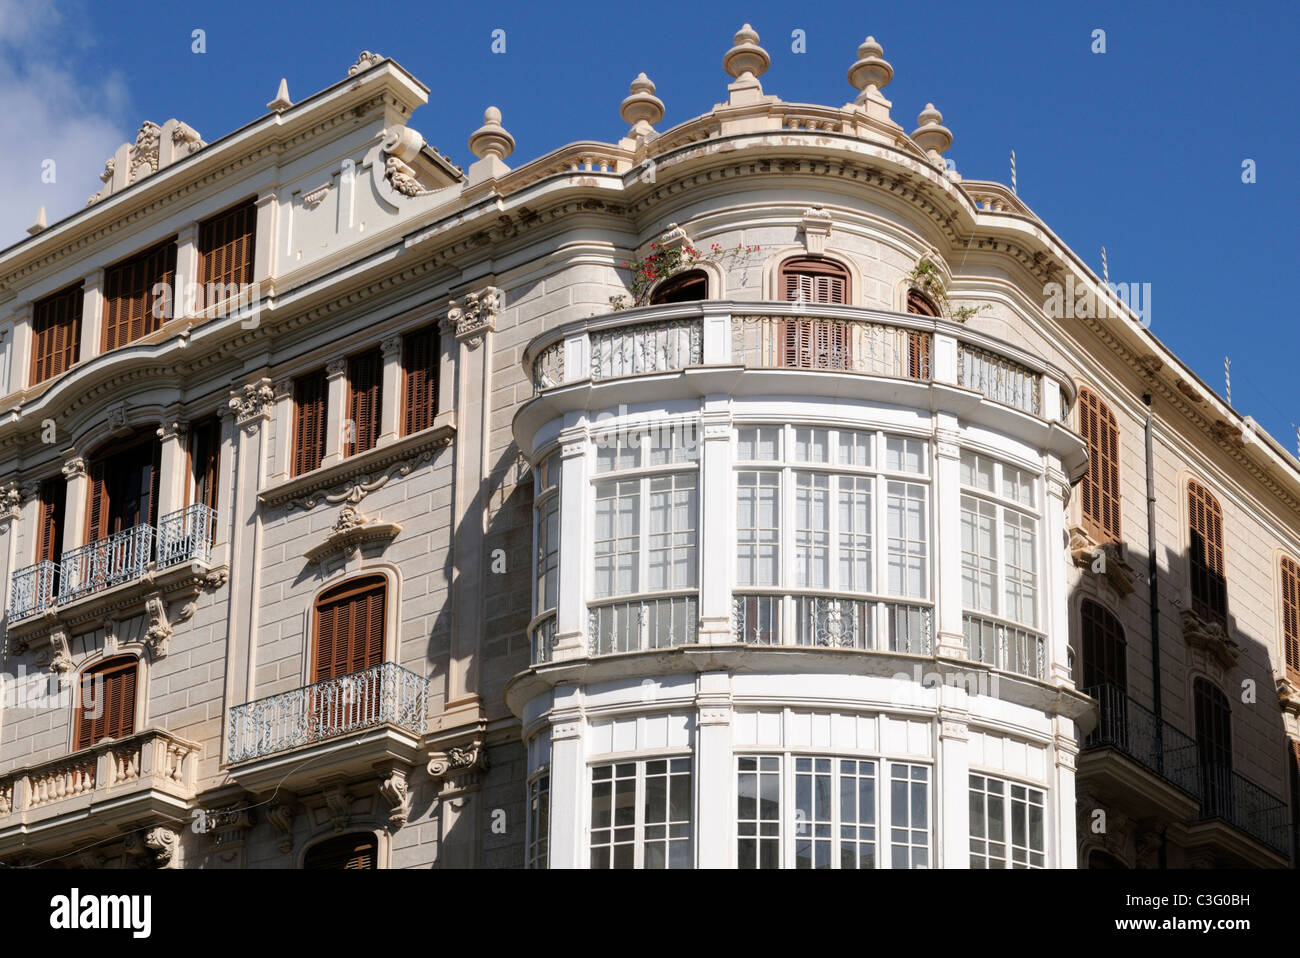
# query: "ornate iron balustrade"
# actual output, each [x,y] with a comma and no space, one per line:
[543,640]
[1005,646]
[1151,742]
[33,589]
[860,346]
[185,535]
[548,367]
[999,379]
[105,563]
[646,348]
[641,624]
[831,622]
[1244,805]
[385,694]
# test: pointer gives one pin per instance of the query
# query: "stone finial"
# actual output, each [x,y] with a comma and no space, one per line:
[642,109]
[281,101]
[364,62]
[491,139]
[931,135]
[872,72]
[746,60]
[40,223]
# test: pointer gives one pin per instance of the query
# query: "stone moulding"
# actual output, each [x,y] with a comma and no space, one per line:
[1085,551]
[353,479]
[352,531]
[1210,637]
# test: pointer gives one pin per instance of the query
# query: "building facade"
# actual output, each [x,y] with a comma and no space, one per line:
[752,493]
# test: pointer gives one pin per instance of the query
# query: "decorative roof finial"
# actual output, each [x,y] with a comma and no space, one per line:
[39,225]
[746,59]
[642,109]
[491,139]
[281,101]
[872,72]
[931,135]
[364,62]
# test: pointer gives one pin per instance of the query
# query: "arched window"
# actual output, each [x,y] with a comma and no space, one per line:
[683,288]
[1105,659]
[1291,617]
[355,851]
[1209,587]
[106,702]
[1213,747]
[1100,485]
[349,628]
[812,280]
[921,304]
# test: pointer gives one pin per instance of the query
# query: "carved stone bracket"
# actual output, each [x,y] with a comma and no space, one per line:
[280,814]
[11,500]
[55,655]
[1107,559]
[816,224]
[74,468]
[1210,636]
[460,765]
[158,845]
[159,634]
[252,405]
[351,531]
[227,825]
[1288,695]
[339,802]
[397,794]
[474,315]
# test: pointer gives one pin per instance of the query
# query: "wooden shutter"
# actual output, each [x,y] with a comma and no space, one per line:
[350,628]
[365,399]
[921,304]
[129,296]
[814,281]
[1105,658]
[310,393]
[918,355]
[1209,587]
[149,512]
[205,462]
[1291,617]
[115,703]
[226,248]
[1100,497]
[97,519]
[420,379]
[56,333]
[53,496]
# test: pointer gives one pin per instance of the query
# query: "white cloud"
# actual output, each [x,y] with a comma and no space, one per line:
[49,111]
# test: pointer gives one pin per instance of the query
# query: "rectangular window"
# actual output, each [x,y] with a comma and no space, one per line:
[907,539]
[758,533]
[420,357]
[909,832]
[617,536]
[56,334]
[674,505]
[999,543]
[905,455]
[1019,539]
[758,443]
[812,530]
[548,554]
[641,814]
[1006,824]
[853,505]
[205,461]
[539,821]
[53,497]
[979,555]
[365,401]
[226,246]
[811,445]
[758,811]
[139,295]
[310,401]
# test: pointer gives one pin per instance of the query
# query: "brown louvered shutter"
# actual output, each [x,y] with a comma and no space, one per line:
[920,304]
[53,496]
[97,524]
[918,355]
[420,375]
[1209,587]
[309,395]
[56,333]
[149,514]
[813,281]
[114,701]
[205,462]
[365,400]
[1100,499]
[350,628]
[130,297]
[1105,658]
[1291,617]
[226,249]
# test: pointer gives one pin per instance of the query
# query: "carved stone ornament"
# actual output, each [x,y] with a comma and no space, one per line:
[1288,695]
[364,62]
[350,532]
[474,316]
[158,844]
[11,500]
[1108,560]
[1210,637]
[250,405]
[816,224]
[55,655]
[158,636]
[280,814]
[117,416]
[397,794]
[457,760]
[316,197]
[339,803]
[74,467]
[357,490]
[403,178]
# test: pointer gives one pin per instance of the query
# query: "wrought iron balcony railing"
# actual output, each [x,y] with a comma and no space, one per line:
[832,622]
[385,694]
[650,622]
[999,378]
[181,536]
[1153,743]
[1244,805]
[1005,646]
[543,640]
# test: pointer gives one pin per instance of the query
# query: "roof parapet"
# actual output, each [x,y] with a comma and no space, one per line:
[155,147]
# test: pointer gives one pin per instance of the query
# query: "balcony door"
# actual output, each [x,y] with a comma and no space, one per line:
[124,488]
[346,690]
[1214,748]
[1105,671]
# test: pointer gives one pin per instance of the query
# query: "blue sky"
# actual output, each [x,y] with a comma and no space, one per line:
[1139,149]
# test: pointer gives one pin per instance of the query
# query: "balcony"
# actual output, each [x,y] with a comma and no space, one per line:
[182,536]
[381,710]
[1136,732]
[92,793]
[1241,803]
[832,622]
[1005,646]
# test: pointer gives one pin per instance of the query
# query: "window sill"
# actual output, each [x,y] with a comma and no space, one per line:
[357,475]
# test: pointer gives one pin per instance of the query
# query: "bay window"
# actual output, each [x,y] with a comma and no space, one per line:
[1006,824]
[641,814]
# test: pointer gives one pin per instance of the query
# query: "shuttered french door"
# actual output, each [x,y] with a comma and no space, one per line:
[56,334]
[365,401]
[419,371]
[106,704]
[349,639]
[133,289]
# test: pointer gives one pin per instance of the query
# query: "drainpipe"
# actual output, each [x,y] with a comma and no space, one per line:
[1153,591]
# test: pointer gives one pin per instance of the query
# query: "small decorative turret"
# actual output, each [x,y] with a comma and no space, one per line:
[281,101]
[491,144]
[746,61]
[872,72]
[931,135]
[642,109]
